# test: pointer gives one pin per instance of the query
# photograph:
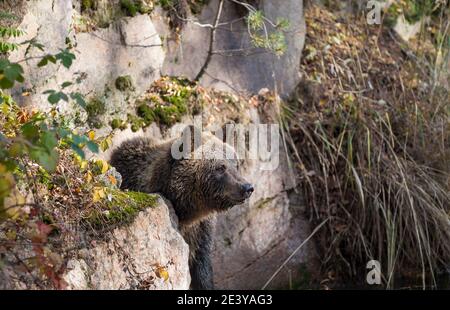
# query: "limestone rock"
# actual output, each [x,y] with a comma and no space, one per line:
[128,47]
[245,73]
[149,253]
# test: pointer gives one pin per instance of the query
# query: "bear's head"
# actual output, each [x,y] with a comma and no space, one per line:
[222,184]
[209,172]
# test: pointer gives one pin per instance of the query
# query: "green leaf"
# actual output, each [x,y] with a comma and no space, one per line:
[30,131]
[5,83]
[4,63]
[45,60]
[32,43]
[49,141]
[66,58]
[92,146]
[63,133]
[77,139]
[55,97]
[10,72]
[66,84]
[47,160]
[77,150]
[79,99]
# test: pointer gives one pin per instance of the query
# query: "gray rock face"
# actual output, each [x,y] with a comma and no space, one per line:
[231,68]
[252,240]
[130,46]
[150,253]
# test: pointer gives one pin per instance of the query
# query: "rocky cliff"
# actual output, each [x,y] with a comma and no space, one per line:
[251,241]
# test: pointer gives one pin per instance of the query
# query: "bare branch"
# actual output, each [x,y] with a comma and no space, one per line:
[212,39]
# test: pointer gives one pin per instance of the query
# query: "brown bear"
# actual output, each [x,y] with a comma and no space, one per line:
[199,184]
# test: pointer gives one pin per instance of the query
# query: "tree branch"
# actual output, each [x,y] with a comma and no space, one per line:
[212,39]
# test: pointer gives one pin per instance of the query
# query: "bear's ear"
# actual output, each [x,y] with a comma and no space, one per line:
[188,142]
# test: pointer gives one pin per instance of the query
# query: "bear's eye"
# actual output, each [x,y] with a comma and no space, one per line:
[221,168]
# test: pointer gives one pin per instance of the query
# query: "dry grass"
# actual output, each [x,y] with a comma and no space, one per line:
[369,129]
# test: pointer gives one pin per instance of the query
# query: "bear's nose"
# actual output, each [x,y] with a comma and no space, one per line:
[248,188]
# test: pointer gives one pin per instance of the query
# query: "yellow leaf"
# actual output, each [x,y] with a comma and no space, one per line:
[112,179]
[83,164]
[99,194]
[103,165]
[89,177]
[106,143]
[13,203]
[162,273]
[91,135]
[11,234]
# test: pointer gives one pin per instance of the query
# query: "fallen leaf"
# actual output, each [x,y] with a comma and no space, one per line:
[91,135]
[162,273]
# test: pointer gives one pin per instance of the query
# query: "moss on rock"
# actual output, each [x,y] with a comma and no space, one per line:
[88,5]
[147,113]
[132,7]
[118,124]
[95,108]
[135,122]
[124,83]
[121,207]
[129,7]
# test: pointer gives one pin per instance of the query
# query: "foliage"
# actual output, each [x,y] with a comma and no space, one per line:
[165,103]
[371,156]
[261,37]
[95,108]
[121,208]
[7,33]
[132,7]
[88,5]
[30,146]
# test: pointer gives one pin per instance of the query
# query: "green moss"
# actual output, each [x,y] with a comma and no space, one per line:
[166,4]
[95,108]
[145,7]
[124,83]
[135,122]
[121,208]
[146,113]
[118,124]
[129,7]
[43,177]
[414,11]
[195,6]
[167,115]
[88,5]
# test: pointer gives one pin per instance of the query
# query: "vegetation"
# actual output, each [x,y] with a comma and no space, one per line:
[369,130]
[121,208]
[124,83]
[132,7]
[367,126]
[50,196]
[167,100]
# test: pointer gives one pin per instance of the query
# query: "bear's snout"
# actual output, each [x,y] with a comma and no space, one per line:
[247,189]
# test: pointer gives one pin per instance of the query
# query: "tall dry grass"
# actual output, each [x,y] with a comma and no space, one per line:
[369,129]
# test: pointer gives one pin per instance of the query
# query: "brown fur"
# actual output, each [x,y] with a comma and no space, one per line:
[197,188]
